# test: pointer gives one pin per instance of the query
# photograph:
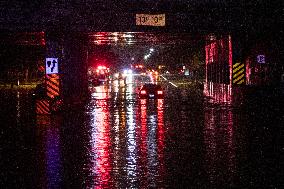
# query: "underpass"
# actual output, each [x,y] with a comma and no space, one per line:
[219,124]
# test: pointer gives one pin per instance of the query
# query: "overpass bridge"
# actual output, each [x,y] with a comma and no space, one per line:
[234,34]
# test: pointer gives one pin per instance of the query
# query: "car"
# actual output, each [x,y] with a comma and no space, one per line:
[151,91]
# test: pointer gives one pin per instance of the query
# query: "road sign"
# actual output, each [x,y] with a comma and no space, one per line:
[51,66]
[151,19]
[261,59]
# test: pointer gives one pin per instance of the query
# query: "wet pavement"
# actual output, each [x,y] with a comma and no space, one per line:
[120,141]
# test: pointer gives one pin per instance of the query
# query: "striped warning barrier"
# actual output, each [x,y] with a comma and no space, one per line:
[52,85]
[42,107]
[239,73]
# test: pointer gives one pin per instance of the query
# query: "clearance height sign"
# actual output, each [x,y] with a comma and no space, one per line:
[150,19]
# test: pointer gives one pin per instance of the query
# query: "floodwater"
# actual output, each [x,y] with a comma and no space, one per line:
[117,140]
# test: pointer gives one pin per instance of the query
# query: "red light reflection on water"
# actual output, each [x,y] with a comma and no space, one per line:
[101,144]
[100,92]
[143,121]
[152,144]
[231,145]
[161,138]
[220,150]
[131,141]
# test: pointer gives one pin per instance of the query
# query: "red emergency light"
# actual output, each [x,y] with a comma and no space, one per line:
[102,67]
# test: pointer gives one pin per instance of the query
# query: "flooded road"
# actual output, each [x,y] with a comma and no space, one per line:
[120,141]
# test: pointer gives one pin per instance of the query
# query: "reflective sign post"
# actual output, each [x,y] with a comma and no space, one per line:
[54,54]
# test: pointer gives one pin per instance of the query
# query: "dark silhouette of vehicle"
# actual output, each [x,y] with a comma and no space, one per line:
[151,91]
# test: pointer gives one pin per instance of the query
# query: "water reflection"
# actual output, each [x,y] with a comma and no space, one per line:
[127,140]
[48,128]
[161,141]
[100,142]
[152,151]
[123,144]
[18,108]
[119,135]
[220,159]
[152,143]
[132,175]
[101,92]
[143,139]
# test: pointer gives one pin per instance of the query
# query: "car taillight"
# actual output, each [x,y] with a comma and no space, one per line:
[143,92]
[160,92]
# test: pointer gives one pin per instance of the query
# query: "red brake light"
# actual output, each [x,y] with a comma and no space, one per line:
[160,92]
[143,92]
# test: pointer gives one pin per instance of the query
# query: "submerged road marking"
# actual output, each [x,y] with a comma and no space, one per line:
[164,78]
[169,81]
[173,84]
